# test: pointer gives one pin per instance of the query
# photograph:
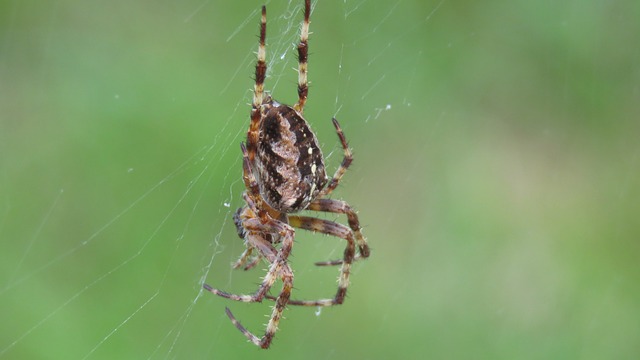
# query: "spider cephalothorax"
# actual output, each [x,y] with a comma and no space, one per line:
[284,173]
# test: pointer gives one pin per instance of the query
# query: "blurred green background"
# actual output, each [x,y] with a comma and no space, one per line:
[496,174]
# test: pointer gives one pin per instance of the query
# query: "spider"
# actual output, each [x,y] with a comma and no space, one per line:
[284,173]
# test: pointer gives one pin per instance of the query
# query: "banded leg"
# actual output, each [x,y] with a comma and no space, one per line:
[258,90]
[253,228]
[341,207]
[281,301]
[303,53]
[246,260]
[333,229]
[267,282]
[253,198]
[244,257]
[252,263]
[346,162]
[240,214]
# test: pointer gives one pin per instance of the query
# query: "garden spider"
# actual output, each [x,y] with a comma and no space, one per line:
[284,173]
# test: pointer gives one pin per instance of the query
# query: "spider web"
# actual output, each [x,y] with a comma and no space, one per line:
[124,238]
[120,171]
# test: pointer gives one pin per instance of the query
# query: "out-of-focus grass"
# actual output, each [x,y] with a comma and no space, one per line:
[496,176]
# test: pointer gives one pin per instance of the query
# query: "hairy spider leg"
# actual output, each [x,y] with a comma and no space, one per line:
[341,207]
[254,227]
[303,53]
[255,203]
[246,254]
[281,302]
[263,227]
[333,229]
[278,268]
[258,90]
[344,166]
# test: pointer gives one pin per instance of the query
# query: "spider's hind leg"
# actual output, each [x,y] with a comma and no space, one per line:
[279,268]
[265,249]
[342,207]
[333,229]
[281,302]
[267,283]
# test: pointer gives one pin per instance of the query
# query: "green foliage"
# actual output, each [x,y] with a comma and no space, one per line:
[496,175]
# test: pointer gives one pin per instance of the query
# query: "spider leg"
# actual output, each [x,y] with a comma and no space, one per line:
[251,264]
[243,258]
[267,282]
[276,315]
[246,260]
[252,198]
[346,162]
[258,92]
[341,207]
[333,229]
[280,266]
[303,52]
[254,227]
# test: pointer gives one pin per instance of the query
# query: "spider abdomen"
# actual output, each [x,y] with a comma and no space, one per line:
[288,161]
